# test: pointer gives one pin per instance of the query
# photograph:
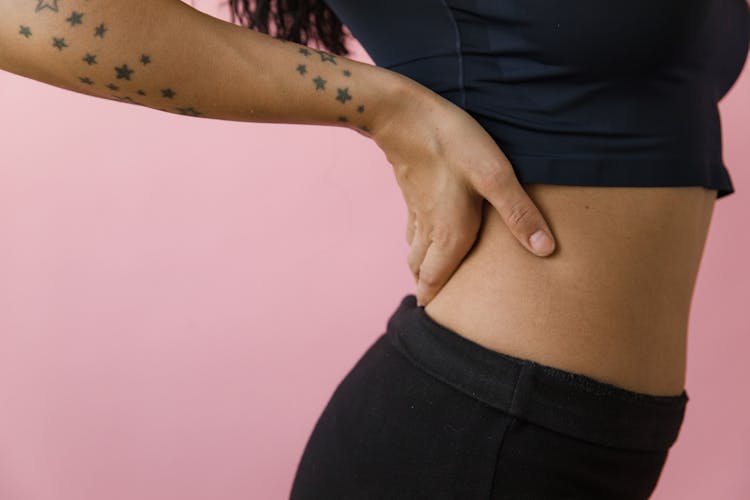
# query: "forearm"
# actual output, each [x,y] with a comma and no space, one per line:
[166,55]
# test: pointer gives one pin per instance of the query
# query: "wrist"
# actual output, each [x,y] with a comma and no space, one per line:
[395,91]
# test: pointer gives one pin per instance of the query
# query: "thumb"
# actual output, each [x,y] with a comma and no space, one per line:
[503,191]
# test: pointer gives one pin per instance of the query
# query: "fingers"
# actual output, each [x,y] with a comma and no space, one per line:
[501,188]
[436,257]
[417,251]
[410,228]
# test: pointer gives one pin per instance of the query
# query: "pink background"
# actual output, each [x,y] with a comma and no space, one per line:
[179,298]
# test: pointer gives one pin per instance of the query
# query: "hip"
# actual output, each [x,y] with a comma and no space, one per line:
[612,302]
[426,414]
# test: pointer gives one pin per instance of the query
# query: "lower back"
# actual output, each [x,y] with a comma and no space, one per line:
[612,302]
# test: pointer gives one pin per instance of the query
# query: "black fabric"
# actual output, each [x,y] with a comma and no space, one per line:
[428,414]
[590,93]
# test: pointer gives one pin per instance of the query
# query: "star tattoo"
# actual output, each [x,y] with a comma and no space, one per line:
[123,72]
[168,93]
[302,69]
[126,99]
[100,30]
[141,92]
[347,72]
[145,59]
[25,31]
[86,79]
[343,95]
[46,4]
[189,111]
[304,51]
[75,18]
[89,59]
[327,57]
[112,86]
[319,83]
[343,119]
[59,43]
[361,108]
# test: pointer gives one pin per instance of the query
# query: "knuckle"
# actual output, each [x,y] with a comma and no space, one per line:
[427,278]
[403,172]
[519,214]
[443,237]
[440,235]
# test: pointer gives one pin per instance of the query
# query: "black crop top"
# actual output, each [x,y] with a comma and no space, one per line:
[577,92]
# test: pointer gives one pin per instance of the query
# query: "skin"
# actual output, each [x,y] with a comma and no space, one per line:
[136,52]
[612,302]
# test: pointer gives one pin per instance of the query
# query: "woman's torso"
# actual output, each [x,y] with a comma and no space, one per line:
[577,95]
[612,302]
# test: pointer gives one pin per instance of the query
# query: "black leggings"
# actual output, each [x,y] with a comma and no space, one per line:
[428,414]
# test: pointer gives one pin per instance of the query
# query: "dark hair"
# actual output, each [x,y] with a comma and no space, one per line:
[295,20]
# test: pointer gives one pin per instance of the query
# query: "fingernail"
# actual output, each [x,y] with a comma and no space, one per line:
[540,242]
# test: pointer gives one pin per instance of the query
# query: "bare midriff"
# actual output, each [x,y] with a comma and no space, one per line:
[612,302]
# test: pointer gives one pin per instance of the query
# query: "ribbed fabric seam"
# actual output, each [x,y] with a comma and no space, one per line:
[459,54]
[497,457]
[512,408]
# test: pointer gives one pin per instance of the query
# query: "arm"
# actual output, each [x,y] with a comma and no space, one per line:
[167,55]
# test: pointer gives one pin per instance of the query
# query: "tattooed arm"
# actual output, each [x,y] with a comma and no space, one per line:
[167,55]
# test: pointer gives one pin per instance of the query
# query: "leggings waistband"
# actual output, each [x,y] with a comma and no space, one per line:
[563,401]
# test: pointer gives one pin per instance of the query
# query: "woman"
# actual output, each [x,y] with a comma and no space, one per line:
[556,377]
[556,373]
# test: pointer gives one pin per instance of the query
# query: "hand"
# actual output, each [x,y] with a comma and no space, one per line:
[445,164]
